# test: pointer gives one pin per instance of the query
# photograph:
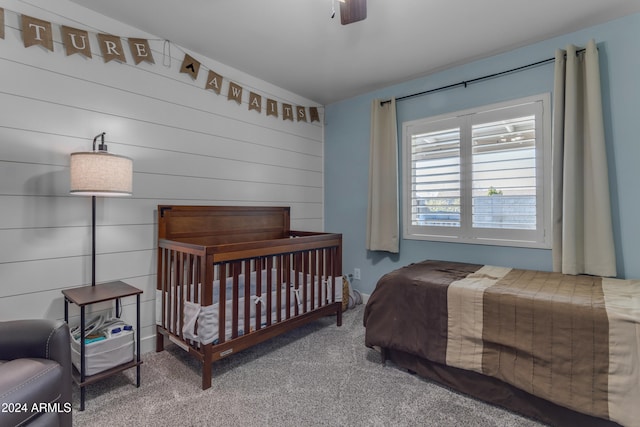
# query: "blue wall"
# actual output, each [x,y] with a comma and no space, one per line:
[347,148]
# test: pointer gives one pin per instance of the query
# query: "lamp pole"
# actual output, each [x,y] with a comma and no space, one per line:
[93,240]
[102,147]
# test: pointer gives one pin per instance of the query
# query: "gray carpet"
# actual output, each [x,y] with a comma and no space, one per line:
[317,375]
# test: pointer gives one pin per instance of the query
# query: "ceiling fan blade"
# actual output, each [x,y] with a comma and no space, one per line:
[352,11]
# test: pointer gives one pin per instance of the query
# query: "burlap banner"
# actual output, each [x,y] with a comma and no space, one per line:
[39,32]
[111,48]
[214,82]
[235,92]
[313,114]
[255,102]
[75,41]
[1,23]
[287,112]
[190,66]
[301,114]
[36,32]
[272,107]
[140,51]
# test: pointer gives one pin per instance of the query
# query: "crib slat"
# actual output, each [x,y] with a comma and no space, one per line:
[304,259]
[180,289]
[278,285]
[313,278]
[174,281]
[322,279]
[258,321]
[269,268]
[294,284]
[337,285]
[164,286]
[234,300]
[287,282]
[247,295]
[222,297]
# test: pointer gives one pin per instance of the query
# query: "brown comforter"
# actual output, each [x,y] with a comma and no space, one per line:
[572,340]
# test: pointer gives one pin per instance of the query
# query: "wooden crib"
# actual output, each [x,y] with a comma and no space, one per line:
[242,266]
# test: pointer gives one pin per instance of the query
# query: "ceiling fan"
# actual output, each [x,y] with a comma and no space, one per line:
[352,11]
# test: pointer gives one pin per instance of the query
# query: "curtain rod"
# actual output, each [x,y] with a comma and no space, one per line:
[477,79]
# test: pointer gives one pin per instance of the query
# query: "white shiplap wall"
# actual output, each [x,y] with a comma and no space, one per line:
[189,146]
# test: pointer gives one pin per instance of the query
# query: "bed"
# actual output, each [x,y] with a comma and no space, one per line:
[561,349]
[231,277]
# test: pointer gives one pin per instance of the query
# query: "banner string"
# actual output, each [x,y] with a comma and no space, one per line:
[167,62]
[166,52]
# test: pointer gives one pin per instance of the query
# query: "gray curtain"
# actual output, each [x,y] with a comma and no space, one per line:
[382,216]
[582,230]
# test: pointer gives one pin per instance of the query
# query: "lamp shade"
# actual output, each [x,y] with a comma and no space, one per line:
[99,173]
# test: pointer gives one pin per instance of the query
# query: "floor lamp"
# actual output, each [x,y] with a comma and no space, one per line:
[99,173]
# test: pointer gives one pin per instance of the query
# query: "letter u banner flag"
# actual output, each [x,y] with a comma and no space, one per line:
[75,41]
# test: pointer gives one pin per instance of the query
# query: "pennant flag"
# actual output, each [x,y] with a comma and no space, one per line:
[140,51]
[302,114]
[36,32]
[255,102]
[39,32]
[235,93]
[111,47]
[75,41]
[313,114]
[272,108]
[190,66]
[214,82]
[287,112]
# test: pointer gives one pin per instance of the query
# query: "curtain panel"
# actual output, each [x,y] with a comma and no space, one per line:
[582,230]
[382,216]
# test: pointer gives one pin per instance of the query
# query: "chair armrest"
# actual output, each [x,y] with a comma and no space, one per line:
[42,338]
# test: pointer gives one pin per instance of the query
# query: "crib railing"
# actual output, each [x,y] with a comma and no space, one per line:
[253,287]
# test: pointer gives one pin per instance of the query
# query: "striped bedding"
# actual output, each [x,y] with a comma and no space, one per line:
[572,340]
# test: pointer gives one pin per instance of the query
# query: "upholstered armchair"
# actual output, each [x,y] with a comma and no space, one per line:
[35,373]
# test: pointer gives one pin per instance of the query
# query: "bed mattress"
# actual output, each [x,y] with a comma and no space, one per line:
[571,340]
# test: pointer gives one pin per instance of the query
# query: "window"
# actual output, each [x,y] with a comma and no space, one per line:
[480,176]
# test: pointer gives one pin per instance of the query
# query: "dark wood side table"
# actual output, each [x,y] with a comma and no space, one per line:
[87,295]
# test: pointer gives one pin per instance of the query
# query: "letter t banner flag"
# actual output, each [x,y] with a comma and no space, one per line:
[36,31]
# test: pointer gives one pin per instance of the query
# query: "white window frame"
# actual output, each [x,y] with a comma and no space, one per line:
[538,238]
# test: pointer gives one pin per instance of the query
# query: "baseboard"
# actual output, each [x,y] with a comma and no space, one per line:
[148,343]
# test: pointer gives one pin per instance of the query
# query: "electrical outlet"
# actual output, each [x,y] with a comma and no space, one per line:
[356,273]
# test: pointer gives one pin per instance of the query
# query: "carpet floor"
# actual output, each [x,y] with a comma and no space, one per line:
[316,375]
